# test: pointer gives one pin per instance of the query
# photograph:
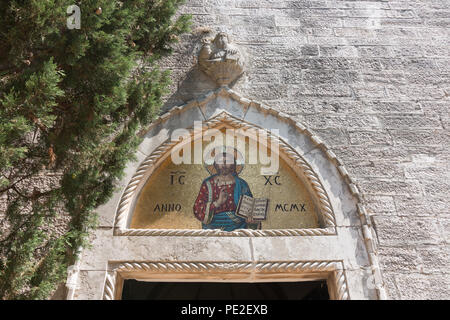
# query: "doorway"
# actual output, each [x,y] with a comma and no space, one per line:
[302,290]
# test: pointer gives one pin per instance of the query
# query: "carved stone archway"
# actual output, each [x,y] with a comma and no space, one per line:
[342,250]
[295,160]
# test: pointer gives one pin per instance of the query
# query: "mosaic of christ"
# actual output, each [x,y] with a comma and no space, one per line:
[217,200]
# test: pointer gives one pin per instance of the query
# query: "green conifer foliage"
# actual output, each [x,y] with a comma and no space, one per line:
[71,103]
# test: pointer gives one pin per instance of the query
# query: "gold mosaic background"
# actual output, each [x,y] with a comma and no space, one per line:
[159,190]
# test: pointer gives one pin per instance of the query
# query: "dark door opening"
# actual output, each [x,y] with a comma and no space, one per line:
[142,290]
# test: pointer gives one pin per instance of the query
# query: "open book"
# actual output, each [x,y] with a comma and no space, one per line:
[251,208]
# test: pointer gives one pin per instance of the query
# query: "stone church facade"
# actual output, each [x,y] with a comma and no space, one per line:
[358,91]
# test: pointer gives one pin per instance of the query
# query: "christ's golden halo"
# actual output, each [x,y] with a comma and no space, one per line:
[210,154]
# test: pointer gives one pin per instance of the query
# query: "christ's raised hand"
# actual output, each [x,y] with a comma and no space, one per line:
[223,196]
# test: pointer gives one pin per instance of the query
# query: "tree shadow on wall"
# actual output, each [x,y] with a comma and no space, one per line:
[194,83]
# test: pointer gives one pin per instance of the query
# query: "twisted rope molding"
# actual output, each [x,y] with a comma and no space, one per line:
[340,283]
[271,266]
[339,278]
[325,208]
[219,233]
[110,286]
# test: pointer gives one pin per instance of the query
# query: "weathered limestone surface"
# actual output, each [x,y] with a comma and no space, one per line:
[371,79]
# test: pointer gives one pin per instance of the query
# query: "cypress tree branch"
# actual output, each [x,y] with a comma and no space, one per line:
[73,109]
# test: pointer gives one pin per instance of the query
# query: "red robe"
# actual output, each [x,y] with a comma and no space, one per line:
[201,203]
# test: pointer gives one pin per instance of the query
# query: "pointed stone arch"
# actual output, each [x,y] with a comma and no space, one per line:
[151,163]
[345,239]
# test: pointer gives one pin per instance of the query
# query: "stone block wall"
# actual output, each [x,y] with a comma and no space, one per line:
[371,79]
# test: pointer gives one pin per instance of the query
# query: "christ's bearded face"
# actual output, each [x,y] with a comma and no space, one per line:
[225,164]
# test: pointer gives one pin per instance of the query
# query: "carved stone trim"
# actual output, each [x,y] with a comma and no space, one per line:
[340,282]
[321,197]
[236,233]
[110,286]
[335,268]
